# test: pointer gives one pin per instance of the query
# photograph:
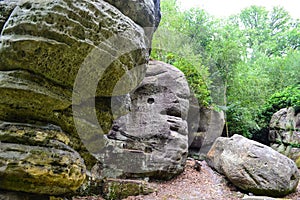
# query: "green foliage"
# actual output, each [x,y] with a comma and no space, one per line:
[289,97]
[193,73]
[237,64]
[179,40]
[197,83]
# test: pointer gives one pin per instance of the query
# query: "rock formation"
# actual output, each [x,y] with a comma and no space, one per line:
[152,140]
[209,128]
[285,133]
[254,167]
[38,160]
[60,63]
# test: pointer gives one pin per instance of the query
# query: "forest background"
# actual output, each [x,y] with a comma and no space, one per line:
[246,64]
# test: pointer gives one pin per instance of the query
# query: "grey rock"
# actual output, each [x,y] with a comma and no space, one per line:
[285,132]
[145,13]
[59,55]
[152,140]
[210,127]
[193,121]
[47,47]
[254,167]
[286,119]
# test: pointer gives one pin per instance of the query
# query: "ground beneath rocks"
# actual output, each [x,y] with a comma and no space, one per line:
[195,183]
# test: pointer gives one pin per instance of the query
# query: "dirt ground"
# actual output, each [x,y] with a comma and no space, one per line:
[195,184]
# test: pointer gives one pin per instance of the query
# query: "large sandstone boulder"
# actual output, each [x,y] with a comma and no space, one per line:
[52,39]
[152,140]
[254,167]
[47,47]
[55,57]
[284,133]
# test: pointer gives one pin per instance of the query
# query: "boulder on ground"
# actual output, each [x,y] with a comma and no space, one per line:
[254,167]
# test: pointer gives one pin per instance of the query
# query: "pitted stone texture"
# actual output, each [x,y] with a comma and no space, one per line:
[46,45]
[152,140]
[6,8]
[38,160]
[53,39]
[254,167]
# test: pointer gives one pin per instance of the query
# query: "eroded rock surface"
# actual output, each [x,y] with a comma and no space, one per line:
[6,8]
[56,56]
[121,189]
[52,39]
[152,140]
[254,167]
[210,127]
[38,160]
[285,133]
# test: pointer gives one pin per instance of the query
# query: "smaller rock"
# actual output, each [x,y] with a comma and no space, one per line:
[197,165]
[121,188]
[254,167]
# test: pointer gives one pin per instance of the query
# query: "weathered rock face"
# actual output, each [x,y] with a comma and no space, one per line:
[53,40]
[152,140]
[6,8]
[121,189]
[145,13]
[47,45]
[285,133]
[253,167]
[55,56]
[210,127]
[38,160]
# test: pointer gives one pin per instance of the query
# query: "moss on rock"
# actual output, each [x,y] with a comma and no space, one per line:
[115,189]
